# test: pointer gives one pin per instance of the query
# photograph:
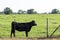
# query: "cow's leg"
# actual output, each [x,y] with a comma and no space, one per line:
[11,34]
[26,34]
[14,34]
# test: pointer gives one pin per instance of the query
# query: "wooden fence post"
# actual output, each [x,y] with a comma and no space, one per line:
[47,27]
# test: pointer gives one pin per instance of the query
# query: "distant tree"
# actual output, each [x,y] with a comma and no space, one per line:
[30,11]
[19,11]
[35,12]
[55,11]
[24,12]
[7,10]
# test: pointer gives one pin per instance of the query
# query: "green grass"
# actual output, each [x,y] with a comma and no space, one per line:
[36,31]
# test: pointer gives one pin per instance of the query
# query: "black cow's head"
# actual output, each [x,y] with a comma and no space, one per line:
[33,23]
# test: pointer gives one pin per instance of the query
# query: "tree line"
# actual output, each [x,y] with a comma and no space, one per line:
[7,10]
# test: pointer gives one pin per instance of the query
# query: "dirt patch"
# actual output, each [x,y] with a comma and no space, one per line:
[29,39]
[35,38]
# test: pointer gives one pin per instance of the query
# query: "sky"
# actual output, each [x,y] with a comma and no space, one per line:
[40,6]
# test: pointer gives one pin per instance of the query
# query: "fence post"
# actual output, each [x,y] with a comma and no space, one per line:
[47,27]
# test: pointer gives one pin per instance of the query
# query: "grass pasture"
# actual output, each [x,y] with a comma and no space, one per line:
[36,31]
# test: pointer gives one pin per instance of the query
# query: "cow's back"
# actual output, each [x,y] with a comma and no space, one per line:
[23,27]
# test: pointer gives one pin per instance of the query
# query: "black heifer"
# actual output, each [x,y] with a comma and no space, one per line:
[22,27]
